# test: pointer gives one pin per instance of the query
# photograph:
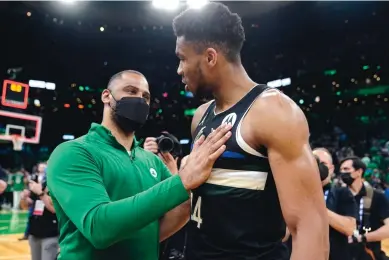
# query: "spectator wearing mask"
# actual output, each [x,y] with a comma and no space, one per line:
[341,208]
[373,220]
[43,227]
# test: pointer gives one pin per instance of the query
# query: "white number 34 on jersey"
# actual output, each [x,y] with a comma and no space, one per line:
[196,216]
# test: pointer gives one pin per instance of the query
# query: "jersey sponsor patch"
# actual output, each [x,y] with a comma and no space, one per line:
[230,119]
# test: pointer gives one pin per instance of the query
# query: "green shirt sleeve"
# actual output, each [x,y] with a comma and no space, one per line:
[75,181]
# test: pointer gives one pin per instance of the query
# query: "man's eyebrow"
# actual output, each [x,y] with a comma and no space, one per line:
[131,87]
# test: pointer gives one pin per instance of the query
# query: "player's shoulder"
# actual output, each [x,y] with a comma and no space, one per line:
[200,111]
[202,108]
[275,114]
[273,101]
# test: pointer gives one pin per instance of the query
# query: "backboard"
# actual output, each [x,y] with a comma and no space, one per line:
[27,126]
[15,94]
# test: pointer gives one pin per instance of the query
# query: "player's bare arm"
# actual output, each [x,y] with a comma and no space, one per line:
[174,220]
[279,124]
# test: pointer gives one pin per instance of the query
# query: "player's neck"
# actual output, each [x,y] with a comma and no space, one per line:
[234,84]
[124,139]
[356,186]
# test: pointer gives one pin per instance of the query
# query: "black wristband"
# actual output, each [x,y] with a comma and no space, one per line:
[355,239]
[364,239]
[42,194]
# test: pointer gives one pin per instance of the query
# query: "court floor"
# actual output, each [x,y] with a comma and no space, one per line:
[12,226]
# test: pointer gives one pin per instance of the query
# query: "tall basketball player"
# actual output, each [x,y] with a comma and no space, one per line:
[267,173]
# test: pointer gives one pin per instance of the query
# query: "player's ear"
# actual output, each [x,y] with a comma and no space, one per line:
[211,55]
[106,96]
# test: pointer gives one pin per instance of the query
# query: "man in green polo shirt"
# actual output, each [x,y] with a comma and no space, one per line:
[113,199]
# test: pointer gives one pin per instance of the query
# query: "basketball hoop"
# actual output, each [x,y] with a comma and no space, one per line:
[17,142]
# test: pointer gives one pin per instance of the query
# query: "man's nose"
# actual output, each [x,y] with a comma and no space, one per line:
[179,69]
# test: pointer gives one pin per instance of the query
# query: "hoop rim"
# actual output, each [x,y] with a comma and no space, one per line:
[15,137]
[17,142]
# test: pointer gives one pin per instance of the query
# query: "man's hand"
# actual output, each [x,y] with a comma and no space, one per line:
[204,154]
[35,187]
[170,162]
[183,162]
[151,145]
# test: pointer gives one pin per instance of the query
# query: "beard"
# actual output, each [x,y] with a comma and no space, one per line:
[203,90]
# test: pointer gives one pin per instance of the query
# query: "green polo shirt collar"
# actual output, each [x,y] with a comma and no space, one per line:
[103,134]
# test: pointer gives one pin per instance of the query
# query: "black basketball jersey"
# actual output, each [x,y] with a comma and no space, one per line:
[236,214]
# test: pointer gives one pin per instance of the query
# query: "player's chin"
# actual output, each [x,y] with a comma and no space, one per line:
[191,88]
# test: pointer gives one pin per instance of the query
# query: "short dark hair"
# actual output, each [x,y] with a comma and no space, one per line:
[357,163]
[212,25]
[119,74]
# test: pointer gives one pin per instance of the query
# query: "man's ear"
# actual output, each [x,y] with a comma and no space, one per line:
[105,96]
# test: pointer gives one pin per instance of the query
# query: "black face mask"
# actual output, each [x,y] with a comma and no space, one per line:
[324,172]
[346,178]
[327,186]
[130,113]
[323,169]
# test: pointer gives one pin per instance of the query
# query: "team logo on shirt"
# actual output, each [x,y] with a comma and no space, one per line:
[153,172]
[230,119]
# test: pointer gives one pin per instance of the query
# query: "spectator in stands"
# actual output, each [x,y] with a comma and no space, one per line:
[38,176]
[373,220]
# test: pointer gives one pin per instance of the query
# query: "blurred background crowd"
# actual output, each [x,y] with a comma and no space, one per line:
[331,59]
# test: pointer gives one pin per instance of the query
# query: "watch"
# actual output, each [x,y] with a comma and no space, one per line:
[364,239]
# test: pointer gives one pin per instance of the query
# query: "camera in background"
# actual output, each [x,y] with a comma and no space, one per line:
[168,143]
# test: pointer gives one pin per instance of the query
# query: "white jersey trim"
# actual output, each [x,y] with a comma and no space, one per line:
[252,180]
[239,138]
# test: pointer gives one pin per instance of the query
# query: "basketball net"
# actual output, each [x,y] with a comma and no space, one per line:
[17,142]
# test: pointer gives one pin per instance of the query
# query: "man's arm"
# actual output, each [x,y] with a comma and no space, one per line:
[343,224]
[78,187]
[383,209]
[344,220]
[281,126]
[48,202]
[176,218]
[380,234]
